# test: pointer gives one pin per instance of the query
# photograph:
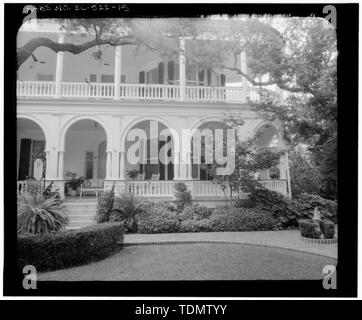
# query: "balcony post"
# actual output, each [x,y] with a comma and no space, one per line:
[244,83]
[59,68]
[121,165]
[61,165]
[182,63]
[109,164]
[117,72]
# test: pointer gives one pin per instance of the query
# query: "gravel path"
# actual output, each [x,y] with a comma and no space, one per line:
[197,262]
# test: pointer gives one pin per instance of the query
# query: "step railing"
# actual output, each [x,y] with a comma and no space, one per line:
[279,186]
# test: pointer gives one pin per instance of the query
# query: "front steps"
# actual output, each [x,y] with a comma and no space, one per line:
[81,212]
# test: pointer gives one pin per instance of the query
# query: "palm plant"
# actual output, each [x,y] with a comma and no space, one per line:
[129,207]
[38,215]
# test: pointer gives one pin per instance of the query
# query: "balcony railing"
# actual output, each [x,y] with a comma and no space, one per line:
[44,89]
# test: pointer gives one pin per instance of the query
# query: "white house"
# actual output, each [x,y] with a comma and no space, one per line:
[80,110]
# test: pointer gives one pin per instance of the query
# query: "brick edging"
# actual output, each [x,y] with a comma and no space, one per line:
[168,242]
[319,241]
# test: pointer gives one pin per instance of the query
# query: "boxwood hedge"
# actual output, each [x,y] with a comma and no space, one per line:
[69,248]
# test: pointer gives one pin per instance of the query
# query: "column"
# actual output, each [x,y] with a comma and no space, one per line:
[288,174]
[176,167]
[109,163]
[121,165]
[60,165]
[243,68]
[182,63]
[189,166]
[59,68]
[117,73]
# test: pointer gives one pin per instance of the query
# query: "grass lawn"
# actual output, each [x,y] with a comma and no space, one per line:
[197,262]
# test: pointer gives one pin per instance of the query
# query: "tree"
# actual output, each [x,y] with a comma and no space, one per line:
[249,159]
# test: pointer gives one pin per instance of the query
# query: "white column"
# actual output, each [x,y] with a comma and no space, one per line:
[59,68]
[189,166]
[176,167]
[117,73]
[182,63]
[61,165]
[243,68]
[121,170]
[288,174]
[109,164]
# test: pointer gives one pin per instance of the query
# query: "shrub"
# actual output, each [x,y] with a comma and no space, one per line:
[182,195]
[327,208]
[309,229]
[237,219]
[38,215]
[128,207]
[328,229]
[69,248]
[105,205]
[195,212]
[203,225]
[160,222]
[289,211]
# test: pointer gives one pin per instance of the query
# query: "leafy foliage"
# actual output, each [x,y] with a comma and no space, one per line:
[182,195]
[105,205]
[126,210]
[289,211]
[69,248]
[315,230]
[38,215]
[305,177]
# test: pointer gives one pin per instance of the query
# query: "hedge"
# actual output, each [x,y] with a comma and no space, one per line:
[311,229]
[203,219]
[69,248]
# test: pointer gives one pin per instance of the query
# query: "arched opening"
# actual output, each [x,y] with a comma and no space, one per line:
[268,136]
[30,143]
[85,150]
[202,171]
[149,152]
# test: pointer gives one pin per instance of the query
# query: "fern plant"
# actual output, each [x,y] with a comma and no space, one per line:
[40,215]
[128,208]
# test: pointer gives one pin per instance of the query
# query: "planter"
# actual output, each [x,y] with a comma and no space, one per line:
[317,232]
[73,193]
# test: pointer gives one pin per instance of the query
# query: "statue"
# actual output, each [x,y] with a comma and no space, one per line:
[316,215]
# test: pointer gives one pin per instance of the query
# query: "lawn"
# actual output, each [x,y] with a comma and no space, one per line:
[197,262]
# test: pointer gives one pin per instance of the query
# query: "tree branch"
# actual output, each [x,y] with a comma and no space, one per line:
[26,51]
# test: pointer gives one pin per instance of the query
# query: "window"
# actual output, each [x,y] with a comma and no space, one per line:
[44,77]
[107,78]
[93,78]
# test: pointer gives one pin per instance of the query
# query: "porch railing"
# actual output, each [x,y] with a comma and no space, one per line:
[154,188]
[44,89]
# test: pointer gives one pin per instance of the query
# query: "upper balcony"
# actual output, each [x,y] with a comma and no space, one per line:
[160,92]
[121,74]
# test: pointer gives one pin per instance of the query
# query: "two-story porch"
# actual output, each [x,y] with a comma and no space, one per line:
[80,111]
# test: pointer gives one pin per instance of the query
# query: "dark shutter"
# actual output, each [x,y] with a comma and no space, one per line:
[222,80]
[24,163]
[171,71]
[201,77]
[142,77]
[160,73]
[209,77]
